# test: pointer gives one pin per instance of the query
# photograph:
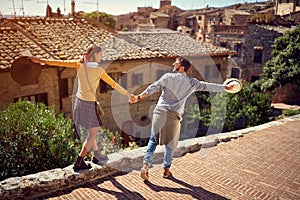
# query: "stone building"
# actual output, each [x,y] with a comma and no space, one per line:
[133,60]
[288,10]
[131,21]
[160,20]
[56,39]
[253,44]
[236,17]
[284,7]
[200,21]
[165,17]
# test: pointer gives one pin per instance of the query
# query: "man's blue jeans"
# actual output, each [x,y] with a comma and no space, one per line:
[168,154]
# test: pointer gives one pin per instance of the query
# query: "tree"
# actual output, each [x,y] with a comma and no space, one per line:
[230,112]
[102,17]
[285,64]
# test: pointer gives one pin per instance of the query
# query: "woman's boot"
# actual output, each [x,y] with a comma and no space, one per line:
[81,165]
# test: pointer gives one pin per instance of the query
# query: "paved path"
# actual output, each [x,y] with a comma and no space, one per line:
[263,164]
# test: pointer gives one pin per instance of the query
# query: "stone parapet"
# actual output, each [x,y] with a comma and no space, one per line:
[39,184]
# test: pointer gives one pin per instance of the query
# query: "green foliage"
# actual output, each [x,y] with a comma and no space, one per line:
[291,112]
[132,144]
[285,64]
[235,111]
[263,18]
[34,139]
[107,141]
[102,17]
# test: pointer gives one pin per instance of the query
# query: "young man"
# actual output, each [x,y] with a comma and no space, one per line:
[166,122]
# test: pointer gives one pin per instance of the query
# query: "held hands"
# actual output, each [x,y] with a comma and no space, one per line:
[133,98]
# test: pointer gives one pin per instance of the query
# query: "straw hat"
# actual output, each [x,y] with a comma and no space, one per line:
[237,85]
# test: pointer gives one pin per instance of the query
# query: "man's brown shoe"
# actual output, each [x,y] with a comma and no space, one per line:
[144,172]
[167,173]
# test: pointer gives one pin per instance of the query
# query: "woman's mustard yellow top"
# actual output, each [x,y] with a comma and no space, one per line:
[88,78]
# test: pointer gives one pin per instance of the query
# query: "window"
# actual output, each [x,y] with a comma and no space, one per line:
[258,53]
[35,98]
[66,86]
[116,76]
[238,48]
[235,72]
[137,79]
[212,71]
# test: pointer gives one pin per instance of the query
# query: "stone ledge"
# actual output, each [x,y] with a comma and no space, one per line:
[39,184]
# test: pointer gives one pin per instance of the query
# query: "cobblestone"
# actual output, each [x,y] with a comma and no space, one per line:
[263,164]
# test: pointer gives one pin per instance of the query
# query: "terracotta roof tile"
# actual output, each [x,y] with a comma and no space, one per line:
[12,41]
[172,43]
[63,39]
[68,39]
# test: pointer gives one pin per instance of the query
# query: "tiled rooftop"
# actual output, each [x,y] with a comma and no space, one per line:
[12,42]
[173,43]
[62,39]
[68,38]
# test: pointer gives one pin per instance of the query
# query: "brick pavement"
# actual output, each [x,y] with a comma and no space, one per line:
[263,164]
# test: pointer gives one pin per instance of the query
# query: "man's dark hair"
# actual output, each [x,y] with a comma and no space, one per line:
[185,63]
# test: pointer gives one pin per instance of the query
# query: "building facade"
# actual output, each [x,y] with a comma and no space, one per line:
[134,60]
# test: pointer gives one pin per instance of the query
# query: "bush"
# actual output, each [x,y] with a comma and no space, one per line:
[107,141]
[235,111]
[291,112]
[34,139]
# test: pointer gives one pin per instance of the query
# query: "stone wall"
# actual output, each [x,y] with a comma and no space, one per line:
[257,37]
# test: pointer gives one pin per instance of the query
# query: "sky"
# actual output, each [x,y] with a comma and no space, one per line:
[113,7]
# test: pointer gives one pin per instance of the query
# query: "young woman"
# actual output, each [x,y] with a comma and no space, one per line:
[85,114]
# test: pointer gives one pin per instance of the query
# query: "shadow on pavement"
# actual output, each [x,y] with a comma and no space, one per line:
[124,192]
[194,191]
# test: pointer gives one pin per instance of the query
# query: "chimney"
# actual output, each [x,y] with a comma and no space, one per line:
[165,3]
[73,8]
